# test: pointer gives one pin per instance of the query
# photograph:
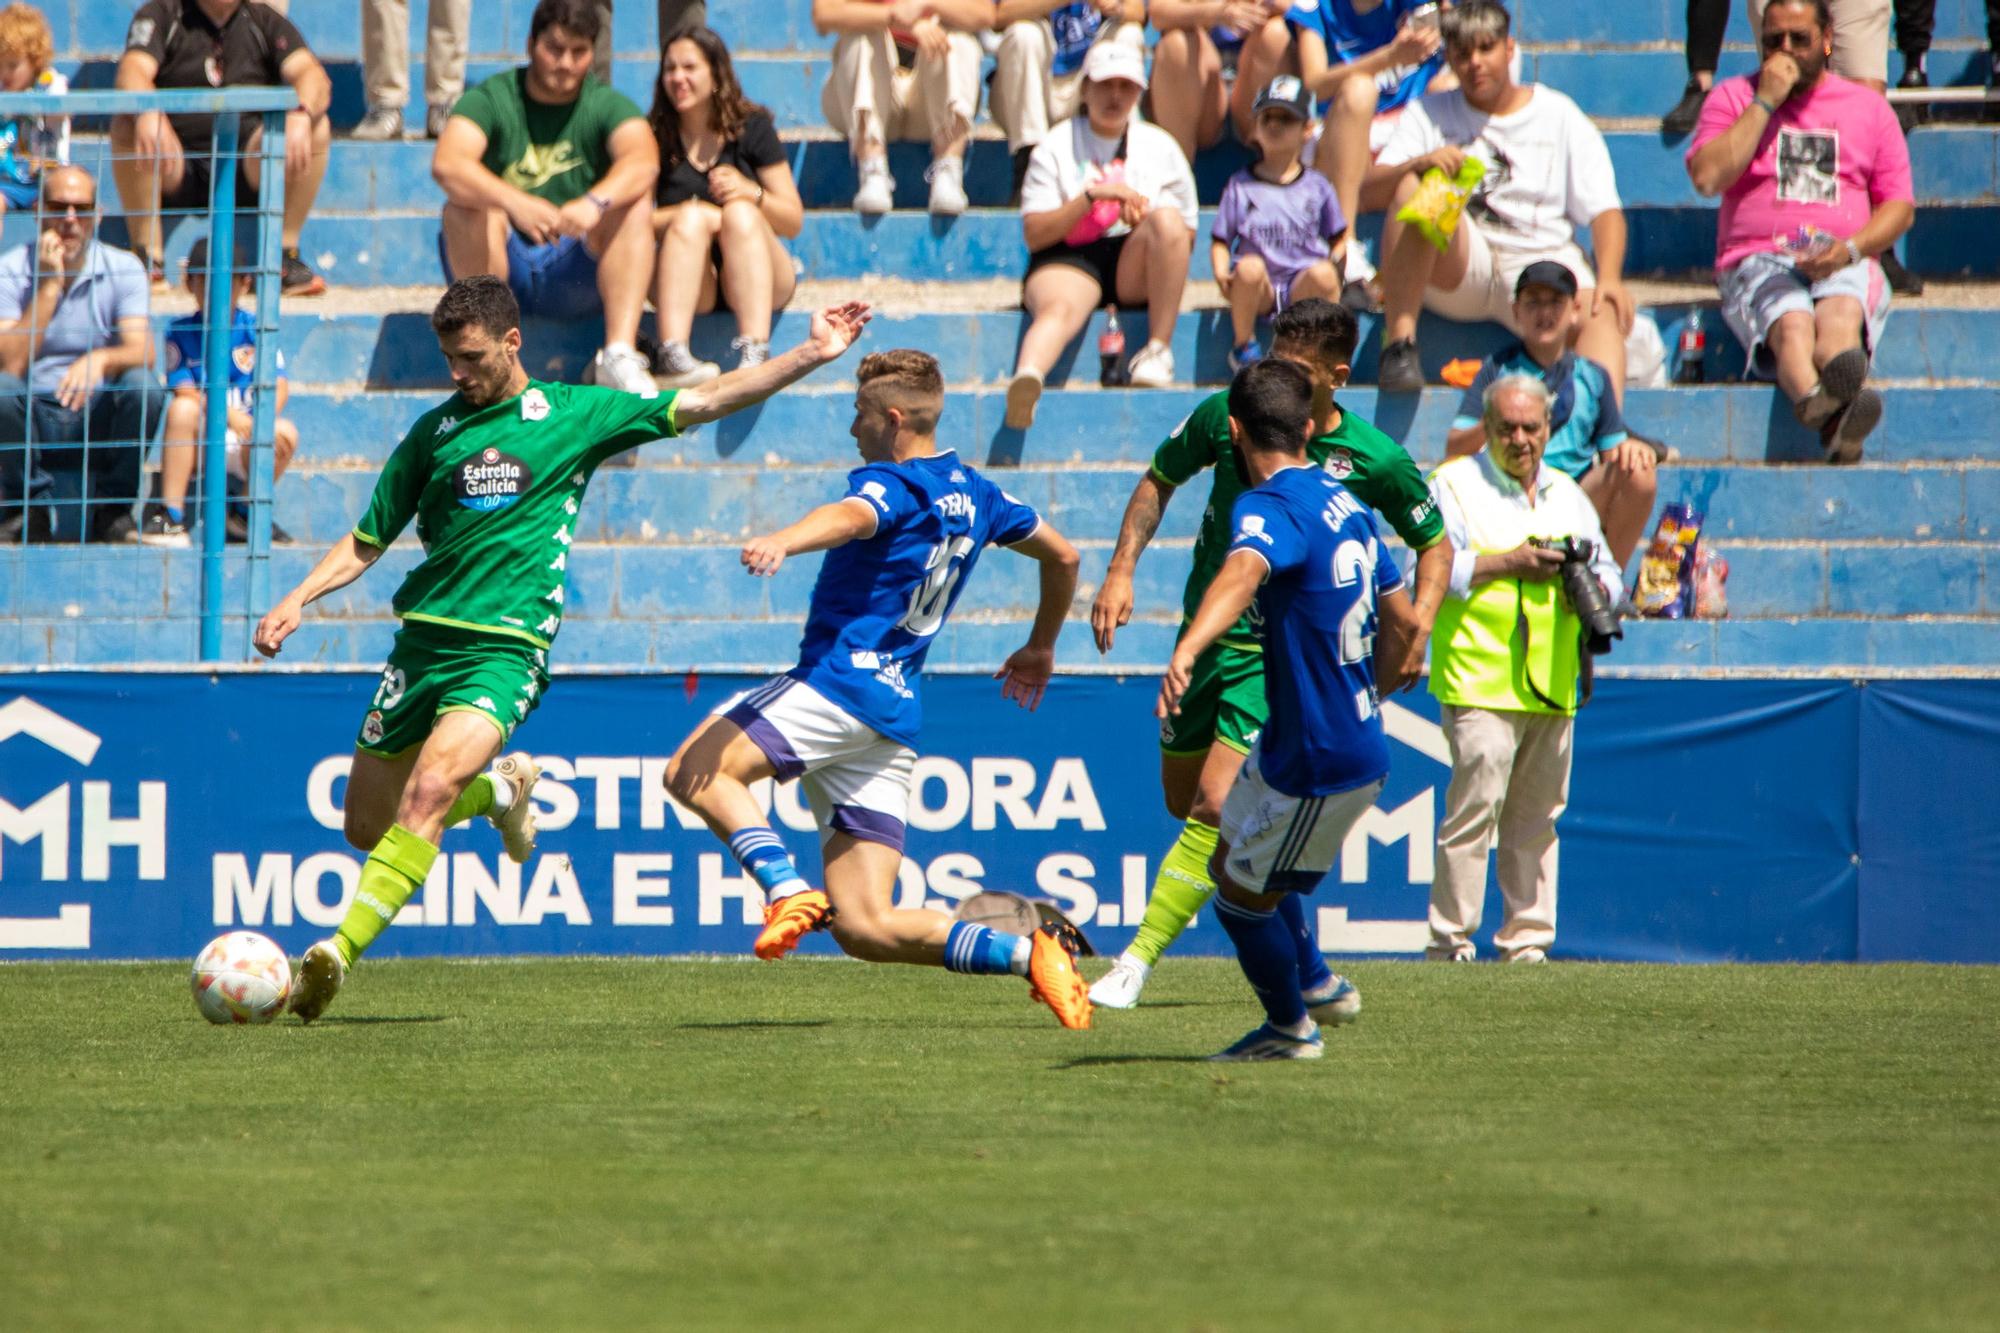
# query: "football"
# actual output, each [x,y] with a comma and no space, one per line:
[241,977]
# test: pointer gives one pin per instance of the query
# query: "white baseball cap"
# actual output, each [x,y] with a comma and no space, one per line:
[1115,60]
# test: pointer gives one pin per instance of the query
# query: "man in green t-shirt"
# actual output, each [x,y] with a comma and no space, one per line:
[494,477]
[1202,747]
[548,182]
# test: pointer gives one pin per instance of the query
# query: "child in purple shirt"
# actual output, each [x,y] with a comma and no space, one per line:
[1278,223]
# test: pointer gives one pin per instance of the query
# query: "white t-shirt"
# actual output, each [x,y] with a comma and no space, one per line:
[1548,170]
[1071,159]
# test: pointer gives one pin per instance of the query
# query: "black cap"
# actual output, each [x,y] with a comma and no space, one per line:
[1287,92]
[1546,273]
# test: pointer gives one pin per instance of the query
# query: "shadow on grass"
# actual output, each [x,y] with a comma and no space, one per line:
[1090,1061]
[382,1018]
[744,1023]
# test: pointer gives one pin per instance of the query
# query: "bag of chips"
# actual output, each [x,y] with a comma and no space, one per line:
[1435,208]
[1665,588]
[1711,585]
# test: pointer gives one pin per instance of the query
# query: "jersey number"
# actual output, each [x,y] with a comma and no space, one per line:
[1354,563]
[930,598]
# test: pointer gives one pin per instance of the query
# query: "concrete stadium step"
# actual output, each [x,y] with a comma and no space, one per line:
[396,350]
[806,427]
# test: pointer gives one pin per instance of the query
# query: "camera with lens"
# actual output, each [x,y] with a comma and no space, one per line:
[1585,593]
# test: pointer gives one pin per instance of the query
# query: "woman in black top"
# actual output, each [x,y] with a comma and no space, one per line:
[725,196]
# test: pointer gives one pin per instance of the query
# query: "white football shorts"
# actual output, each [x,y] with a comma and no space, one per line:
[855,779]
[1286,844]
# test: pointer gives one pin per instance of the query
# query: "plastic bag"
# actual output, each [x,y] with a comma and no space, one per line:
[1103,213]
[1435,208]
[1645,355]
[1711,585]
[1665,588]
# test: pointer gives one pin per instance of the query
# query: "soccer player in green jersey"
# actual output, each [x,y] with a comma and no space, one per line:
[494,477]
[1202,747]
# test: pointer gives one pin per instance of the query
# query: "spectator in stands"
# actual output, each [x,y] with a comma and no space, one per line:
[164,522]
[675,16]
[1364,67]
[1195,64]
[548,179]
[1547,171]
[1038,70]
[1860,31]
[1108,211]
[27,143]
[1815,182]
[1278,223]
[904,69]
[1587,435]
[162,162]
[385,64]
[76,361]
[1506,663]
[1915,20]
[725,196]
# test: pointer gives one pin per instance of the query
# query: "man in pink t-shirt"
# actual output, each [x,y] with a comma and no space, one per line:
[1815,182]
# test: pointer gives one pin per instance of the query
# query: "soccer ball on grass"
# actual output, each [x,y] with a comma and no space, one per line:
[241,977]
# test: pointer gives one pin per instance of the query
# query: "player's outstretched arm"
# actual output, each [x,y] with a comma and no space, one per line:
[1024,676]
[1228,597]
[1113,607]
[824,528]
[834,330]
[347,561]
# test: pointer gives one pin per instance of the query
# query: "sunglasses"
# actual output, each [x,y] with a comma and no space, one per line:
[50,208]
[1798,41]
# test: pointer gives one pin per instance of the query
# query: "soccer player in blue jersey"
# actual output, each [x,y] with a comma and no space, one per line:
[901,543]
[1306,551]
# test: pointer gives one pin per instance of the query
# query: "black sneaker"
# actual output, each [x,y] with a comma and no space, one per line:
[158,528]
[296,279]
[29,524]
[114,528]
[1912,114]
[1400,371]
[1901,280]
[1681,121]
[236,530]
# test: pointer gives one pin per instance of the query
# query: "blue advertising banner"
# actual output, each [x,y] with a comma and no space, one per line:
[142,814]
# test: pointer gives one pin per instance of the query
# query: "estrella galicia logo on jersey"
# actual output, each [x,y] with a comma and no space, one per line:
[1340,464]
[492,480]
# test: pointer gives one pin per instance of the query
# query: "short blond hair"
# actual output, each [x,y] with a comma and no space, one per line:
[907,380]
[25,35]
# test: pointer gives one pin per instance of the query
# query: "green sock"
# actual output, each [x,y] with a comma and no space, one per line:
[393,871]
[1182,889]
[476,799]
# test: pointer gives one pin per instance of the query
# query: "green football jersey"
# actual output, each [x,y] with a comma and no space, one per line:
[495,494]
[1361,457]
[554,151]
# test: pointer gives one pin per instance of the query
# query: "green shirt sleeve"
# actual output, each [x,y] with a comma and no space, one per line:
[476,105]
[1395,488]
[1196,443]
[621,420]
[400,486]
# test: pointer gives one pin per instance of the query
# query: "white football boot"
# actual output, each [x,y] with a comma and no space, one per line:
[517,822]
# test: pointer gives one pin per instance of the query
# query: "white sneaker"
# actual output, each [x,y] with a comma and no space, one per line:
[878,188]
[317,980]
[750,351]
[1463,953]
[947,178]
[1023,392]
[1119,988]
[678,368]
[1337,1002]
[1532,954]
[623,368]
[1153,367]
[517,824]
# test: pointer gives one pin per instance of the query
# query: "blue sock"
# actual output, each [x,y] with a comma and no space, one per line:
[1269,955]
[982,949]
[758,850]
[1313,971]
[177,515]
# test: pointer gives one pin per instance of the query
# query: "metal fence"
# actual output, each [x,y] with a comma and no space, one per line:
[91,444]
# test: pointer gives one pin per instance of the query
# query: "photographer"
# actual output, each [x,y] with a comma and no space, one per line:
[1506,657]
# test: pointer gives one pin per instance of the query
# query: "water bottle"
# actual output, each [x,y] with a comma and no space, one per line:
[1111,351]
[1693,368]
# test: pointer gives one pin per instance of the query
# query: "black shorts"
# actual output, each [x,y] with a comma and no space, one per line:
[1098,259]
[191,195]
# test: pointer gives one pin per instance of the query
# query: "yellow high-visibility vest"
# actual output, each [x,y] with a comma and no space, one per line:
[1478,657]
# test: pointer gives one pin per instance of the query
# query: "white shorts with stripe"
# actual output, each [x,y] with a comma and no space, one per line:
[1286,844]
[856,780]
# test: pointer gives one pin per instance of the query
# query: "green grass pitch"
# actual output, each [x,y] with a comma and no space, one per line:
[819,1145]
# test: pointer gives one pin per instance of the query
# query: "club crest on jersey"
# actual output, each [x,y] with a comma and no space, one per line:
[245,357]
[1340,464]
[492,480]
[534,405]
[371,729]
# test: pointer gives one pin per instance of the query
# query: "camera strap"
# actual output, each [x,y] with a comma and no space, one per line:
[1586,683]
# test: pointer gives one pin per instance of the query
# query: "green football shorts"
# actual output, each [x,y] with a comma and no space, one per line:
[434,670]
[1224,702]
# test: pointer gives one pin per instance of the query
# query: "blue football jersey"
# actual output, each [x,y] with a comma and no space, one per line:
[186,340]
[1350,35]
[880,601]
[1318,605]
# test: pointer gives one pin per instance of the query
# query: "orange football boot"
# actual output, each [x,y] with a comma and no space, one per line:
[789,919]
[1053,978]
